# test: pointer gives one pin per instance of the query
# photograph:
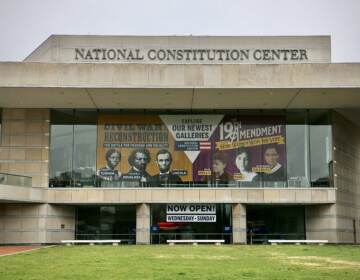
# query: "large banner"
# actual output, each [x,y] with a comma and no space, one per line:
[173,150]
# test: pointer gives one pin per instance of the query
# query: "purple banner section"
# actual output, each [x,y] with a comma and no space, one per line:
[244,149]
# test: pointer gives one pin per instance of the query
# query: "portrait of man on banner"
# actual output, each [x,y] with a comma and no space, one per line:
[166,177]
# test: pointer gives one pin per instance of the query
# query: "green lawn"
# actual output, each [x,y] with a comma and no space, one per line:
[184,262]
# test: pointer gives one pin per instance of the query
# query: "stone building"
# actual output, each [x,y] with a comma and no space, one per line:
[146,139]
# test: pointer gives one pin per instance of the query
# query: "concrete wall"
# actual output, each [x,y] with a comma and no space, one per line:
[161,195]
[24,148]
[36,223]
[321,222]
[61,48]
[191,195]
[114,76]
[10,193]
[340,222]
[346,142]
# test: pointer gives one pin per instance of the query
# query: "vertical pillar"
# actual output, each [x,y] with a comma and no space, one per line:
[239,223]
[321,222]
[60,223]
[143,224]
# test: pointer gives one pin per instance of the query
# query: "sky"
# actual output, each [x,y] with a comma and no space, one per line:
[24,25]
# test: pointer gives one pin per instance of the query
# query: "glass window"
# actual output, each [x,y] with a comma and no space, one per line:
[247,148]
[84,155]
[85,116]
[320,148]
[274,222]
[73,148]
[61,152]
[62,116]
[297,149]
[106,222]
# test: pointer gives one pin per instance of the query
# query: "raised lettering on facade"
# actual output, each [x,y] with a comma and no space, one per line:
[189,55]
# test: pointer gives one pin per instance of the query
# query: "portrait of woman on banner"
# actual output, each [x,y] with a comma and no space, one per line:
[243,164]
[109,173]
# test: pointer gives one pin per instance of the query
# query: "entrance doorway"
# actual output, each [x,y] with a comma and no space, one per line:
[106,222]
[266,222]
[163,229]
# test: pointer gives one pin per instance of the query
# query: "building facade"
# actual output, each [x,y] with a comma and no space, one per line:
[146,139]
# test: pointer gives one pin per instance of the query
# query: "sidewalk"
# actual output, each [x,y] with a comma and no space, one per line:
[9,250]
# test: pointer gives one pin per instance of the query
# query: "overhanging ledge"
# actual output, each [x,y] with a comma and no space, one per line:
[192,195]
[96,75]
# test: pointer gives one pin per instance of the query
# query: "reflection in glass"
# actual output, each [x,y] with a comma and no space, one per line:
[106,222]
[84,155]
[261,161]
[61,153]
[72,148]
[274,222]
[320,148]
[297,149]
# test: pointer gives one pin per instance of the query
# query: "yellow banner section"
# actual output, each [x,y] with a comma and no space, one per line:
[261,169]
[228,145]
[205,172]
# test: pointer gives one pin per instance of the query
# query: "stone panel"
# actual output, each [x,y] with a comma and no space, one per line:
[36,223]
[191,195]
[255,196]
[209,195]
[346,155]
[25,142]
[175,195]
[239,223]
[271,195]
[143,224]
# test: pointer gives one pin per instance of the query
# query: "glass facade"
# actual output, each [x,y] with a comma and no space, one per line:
[106,222]
[266,222]
[233,148]
[320,148]
[73,148]
[297,148]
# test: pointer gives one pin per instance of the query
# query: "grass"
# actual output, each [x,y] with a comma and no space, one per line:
[184,262]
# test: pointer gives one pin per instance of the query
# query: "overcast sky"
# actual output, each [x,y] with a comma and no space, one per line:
[26,24]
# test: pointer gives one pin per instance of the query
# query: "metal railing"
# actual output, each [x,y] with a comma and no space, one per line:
[15,180]
[129,238]
[160,238]
[99,183]
[262,238]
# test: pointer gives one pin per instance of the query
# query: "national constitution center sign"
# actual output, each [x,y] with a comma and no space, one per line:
[189,55]
[188,49]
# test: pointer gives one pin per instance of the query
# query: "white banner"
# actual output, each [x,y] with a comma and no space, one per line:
[191,129]
[191,209]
